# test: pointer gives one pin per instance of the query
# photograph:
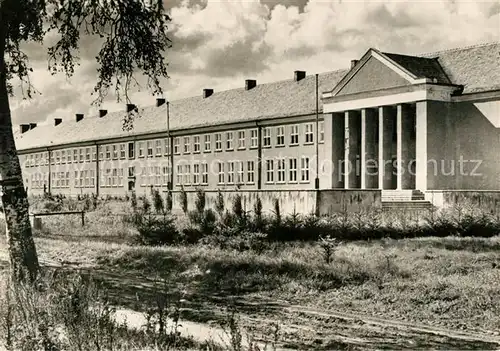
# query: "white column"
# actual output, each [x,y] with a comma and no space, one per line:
[421,147]
[347,169]
[363,149]
[399,146]
[381,165]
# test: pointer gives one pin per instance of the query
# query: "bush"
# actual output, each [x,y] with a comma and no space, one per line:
[158,230]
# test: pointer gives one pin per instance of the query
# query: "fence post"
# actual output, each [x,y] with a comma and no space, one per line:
[83,218]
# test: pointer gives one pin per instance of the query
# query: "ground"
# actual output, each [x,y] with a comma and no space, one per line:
[432,293]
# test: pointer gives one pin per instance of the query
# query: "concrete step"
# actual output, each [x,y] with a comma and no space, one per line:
[402,195]
[407,205]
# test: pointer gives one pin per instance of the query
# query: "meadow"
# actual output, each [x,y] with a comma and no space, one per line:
[360,281]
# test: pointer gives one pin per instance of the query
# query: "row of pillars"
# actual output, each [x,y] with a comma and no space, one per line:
[375,148]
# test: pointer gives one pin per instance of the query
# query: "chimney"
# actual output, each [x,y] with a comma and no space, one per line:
[32,126]
[23,128]
[79,117]
[354,63]
[250,84]
[207,92]
[103,113]
[131,107]
[57,121]
[299,75]
[160,101]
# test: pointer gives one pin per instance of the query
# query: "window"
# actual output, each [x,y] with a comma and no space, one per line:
[218,142]
[167,146]
[221,173]
[158,175]
[196,174]
[304,169]
[281,170]
[204,173]
[131,150]
[120,177]
[292,170]
[158,148]
[150,148]
[63,158]
[87,154]
[208,143]
[254,138]
[270,171]
[280,136]
[241,139]
[58,157]
[141,148]
[108,152]
[131,172]
[266,137]
[229,141]
[294,134]
[166,174]
[37,161]
[196,145]
[187,174]
[250,172]
[75,155]
[82,156]
[309,133]
[122,151]
[177,143]
[94,153]
[187,145]
[76,180]
[115,152]
[241,173]
[321,131]
[230,172]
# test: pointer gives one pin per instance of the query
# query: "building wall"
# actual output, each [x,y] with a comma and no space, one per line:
[487,201]
[462,147]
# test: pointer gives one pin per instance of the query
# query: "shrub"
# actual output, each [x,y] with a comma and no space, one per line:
[157,230]
[184,200]
[158,204]
[168,202]
[219,204]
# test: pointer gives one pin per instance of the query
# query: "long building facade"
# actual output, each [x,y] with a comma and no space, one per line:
[427,123]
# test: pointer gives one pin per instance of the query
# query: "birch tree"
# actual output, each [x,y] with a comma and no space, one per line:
[134,41]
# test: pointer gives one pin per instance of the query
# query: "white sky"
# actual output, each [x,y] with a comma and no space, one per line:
[219,44]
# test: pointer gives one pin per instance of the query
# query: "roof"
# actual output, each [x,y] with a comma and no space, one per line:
[476,68]
[265,101]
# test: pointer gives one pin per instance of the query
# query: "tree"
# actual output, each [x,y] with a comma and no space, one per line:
[134,40]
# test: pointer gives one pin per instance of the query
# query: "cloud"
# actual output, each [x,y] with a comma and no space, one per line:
[219,43]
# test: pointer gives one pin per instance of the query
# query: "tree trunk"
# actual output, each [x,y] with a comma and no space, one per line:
[23,257]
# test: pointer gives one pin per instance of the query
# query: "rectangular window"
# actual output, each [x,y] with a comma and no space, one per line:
[166,174]
[177,146]
[167,146]
[108,152]
[63,158]
[309,133]
[270,171]
[292,170]
[131,150]
[218,142]
[157,176]
[241,139]
[82,155]
[37,161]
[266,137]
[196,174]
[141,148]
[204,173]
[196,142]
[254,138]
[221,173]
[230,172]
[250,172]
[76,183]
[159,148]
[208,143]
[115,152]
[280,136]
[87,154]
[122,151]
[94,153]
[82,179]
[294,134]
[241,172]
[92,178]
[150,148]
[281,170]
[131,172]
[304,169]
[187,174]
[75,155]
[87,178]
[187,145]
[58,157]
[229,141]
[321,131]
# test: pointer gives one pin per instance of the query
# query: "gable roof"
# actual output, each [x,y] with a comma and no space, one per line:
[476,68]
[265,101]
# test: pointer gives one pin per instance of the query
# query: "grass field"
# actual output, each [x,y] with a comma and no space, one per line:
[449,283]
